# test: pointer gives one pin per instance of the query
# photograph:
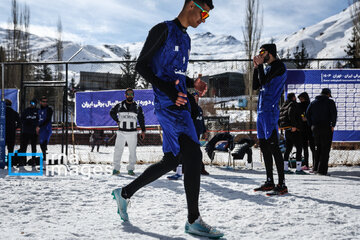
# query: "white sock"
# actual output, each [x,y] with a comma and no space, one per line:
[286,165]
[179,169]
[298,165]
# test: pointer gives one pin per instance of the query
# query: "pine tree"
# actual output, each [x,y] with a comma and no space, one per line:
[301,56]
[129,76]
[352,49]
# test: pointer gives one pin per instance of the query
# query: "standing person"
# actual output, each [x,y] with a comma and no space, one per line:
[290,121]
[97,138]
[126,114]
[163,62]
[45,127]
[306,134]
[321,116]
[11,123]
[271,82]
[29,130]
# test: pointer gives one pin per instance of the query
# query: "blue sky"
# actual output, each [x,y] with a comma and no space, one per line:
[121,21]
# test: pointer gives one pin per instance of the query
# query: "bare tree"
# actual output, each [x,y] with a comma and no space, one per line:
[18,43]
[252,35]
[59,49]
[353,48]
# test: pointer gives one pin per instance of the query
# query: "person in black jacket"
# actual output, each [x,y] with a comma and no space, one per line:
[126,114]
[290,121]
[321,116]
[12,122]
[306,134]
[29,130]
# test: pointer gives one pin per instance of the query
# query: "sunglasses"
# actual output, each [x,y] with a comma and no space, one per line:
[262,52]
[204,13]
[130,94]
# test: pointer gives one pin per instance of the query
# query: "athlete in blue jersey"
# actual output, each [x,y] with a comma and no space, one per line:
[270,81]
[45,128]
[163,62]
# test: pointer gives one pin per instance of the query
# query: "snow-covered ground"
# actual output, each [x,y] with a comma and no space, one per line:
[77,204]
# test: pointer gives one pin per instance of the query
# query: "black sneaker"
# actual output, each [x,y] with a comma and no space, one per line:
[278,190]
[267,186]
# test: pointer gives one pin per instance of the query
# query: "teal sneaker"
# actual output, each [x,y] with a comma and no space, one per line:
[131,173]
[200,228]
[122,204]
[116,172]
[288,172]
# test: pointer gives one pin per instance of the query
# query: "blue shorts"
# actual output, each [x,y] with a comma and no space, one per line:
[173,124]
[266,123]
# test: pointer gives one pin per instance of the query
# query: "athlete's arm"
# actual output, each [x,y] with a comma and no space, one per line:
[155,40]
[114,111]
[141,118]
[277,69]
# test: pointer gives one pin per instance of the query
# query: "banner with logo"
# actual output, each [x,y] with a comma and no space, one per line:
[2,134]
[92,109]
[345,91]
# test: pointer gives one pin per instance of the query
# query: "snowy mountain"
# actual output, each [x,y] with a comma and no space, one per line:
[326,39]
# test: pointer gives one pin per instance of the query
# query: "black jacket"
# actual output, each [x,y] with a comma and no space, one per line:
[30,120]
[322,112]
[290,115]
[125,108]
[12,120]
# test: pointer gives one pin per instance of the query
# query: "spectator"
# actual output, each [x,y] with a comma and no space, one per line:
[29,130]
[271,83]
[321,116]
[97,139]
[45,127]
[126,114]
[11,124]
[306,134]
[290,121]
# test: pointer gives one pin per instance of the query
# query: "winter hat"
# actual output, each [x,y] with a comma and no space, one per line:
[326,91]
[305,96]
[271,48]
[8,102]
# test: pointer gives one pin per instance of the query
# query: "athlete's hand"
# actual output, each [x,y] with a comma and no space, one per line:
[142,135]
[293,129]
[200,86]
[37,130]
[181,99]
[258,60]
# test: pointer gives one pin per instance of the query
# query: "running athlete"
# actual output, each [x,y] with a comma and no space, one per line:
[163,62]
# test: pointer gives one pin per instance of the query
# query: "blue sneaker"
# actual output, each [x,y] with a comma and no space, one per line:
[116,172]
[122,204]
[200,228]
[174,177]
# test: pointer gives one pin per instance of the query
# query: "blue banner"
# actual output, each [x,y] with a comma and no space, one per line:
[2,134]
[92,109]
[345,91]
[13,95]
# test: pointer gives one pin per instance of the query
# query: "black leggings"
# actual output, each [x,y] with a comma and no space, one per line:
[190,156]
[270,147]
